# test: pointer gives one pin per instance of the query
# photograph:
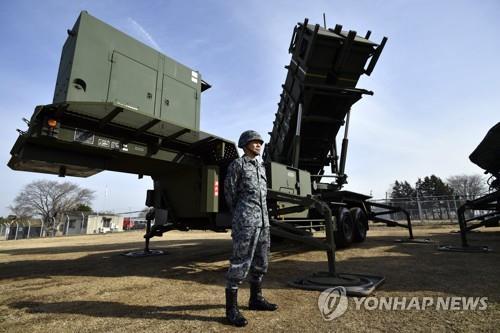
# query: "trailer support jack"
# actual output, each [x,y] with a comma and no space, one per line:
[354,284]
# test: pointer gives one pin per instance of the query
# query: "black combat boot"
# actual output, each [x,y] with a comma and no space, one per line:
[233,314]
[257,301]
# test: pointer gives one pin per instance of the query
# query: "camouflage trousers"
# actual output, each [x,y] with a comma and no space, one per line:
[250,249]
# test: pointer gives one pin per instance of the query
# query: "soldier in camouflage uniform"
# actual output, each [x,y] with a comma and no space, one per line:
[245,190]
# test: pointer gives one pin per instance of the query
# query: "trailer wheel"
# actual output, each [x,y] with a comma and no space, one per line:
[345,228]
[360,221]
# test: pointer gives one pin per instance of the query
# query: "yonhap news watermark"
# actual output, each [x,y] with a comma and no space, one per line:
[333,303]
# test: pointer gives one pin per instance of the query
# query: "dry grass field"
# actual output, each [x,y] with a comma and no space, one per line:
[83,284]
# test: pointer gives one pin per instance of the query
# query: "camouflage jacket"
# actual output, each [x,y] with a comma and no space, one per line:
[245,189]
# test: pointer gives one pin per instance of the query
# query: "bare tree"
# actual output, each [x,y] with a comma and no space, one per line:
[21,212]
[468,186]
[48,199]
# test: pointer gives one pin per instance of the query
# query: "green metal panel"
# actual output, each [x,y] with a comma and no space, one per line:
[132,84]
[183,191]
[65,66]
[177,97]
[290,180]
[210,189]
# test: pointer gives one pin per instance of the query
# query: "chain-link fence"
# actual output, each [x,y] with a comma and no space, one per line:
[19,229]
[66,224]
[429,209]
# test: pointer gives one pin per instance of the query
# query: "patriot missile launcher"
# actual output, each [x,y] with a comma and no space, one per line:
[122,106]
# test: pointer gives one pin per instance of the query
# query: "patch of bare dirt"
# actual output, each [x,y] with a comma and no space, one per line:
[83,284]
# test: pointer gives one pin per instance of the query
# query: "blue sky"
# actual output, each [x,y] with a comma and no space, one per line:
[436,83]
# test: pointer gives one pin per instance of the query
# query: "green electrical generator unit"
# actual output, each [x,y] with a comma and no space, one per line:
[122,106]
[102,69]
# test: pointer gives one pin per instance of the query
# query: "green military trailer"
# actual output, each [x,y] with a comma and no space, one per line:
[122,106]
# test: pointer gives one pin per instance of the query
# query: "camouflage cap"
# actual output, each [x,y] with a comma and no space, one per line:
[248,136]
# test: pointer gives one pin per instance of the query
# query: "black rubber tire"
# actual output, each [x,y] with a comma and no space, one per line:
[360,221]
[345,228]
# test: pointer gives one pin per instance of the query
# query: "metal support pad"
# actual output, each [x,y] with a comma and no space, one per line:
[465,249]
[355,284]
[151,231]
[144,253]
[415,241]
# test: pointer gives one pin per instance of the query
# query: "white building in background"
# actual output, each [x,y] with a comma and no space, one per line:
[104,223]
[92,224]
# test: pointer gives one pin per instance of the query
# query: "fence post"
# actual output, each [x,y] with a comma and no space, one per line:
[449,210]
[455,203]
[54,231]
[419,208]
[81,223]
[67,224]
